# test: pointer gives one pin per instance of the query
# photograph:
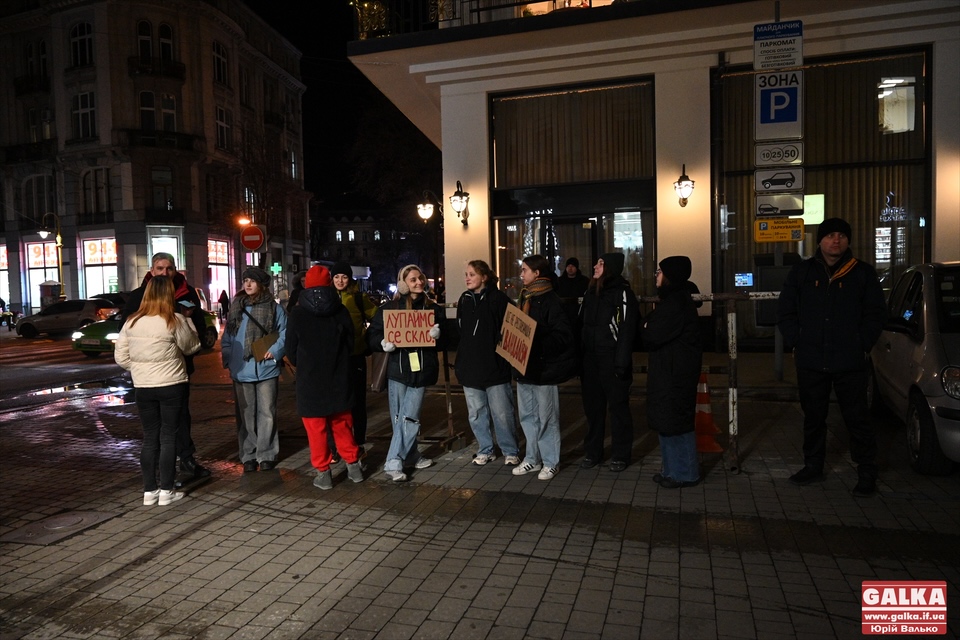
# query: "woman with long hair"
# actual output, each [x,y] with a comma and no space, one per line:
[410,370]
[609,317]
[552,361]
[152,345]
[485,376]
[255,314]
[671,334]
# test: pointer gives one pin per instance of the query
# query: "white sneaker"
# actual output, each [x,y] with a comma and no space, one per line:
[151,497]
[423,463]
[547,473]
[396,476]
[526,468]
[483,458]
[166,497]
[511,460]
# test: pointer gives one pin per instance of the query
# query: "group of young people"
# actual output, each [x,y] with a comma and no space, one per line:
[596,343]
[327,330]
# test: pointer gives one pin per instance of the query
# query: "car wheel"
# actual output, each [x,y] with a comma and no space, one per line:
[27,331]
[767,185]
[91,354]
[789,184]
[922,443]
[209,338]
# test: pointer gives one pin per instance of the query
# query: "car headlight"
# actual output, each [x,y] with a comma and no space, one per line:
[76,335]
[113,336]
[950,379]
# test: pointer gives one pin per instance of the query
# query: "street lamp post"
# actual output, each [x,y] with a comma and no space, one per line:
[44,232]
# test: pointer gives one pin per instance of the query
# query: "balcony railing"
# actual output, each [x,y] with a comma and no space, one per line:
[32,152]
[166,139]
[138,66]
[163,215]
[25,85]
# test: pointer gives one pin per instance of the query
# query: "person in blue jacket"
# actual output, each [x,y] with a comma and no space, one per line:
[253,314]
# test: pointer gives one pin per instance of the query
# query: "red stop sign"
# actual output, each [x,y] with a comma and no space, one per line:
[252,237]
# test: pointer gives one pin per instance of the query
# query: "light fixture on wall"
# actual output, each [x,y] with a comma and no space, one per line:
[458,202]
[683,186]
[425,208]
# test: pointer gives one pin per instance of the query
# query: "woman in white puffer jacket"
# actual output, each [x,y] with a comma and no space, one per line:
[151,346]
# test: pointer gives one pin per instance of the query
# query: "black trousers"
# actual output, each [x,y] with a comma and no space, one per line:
[185,447]
[851,390]
[602,390]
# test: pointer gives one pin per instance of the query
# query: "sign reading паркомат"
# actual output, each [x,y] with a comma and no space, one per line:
[777,45]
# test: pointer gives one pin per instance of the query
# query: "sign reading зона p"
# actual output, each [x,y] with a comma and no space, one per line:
[408,327]
[517,338]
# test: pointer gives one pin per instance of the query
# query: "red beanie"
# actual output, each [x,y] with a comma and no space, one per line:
[317,276]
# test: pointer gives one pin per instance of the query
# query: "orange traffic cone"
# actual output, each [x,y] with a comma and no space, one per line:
[704,426]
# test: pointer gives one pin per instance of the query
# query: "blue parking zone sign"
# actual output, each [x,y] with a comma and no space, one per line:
[779,105]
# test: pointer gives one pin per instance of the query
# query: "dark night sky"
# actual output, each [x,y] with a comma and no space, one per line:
[336,90]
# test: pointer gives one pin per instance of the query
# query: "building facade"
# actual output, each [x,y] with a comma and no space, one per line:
[144,126]
[569,126]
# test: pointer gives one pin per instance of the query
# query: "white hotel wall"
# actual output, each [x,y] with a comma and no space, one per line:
[680,62]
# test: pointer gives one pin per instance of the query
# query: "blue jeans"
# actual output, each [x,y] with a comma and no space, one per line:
[679,453]
[493,403]
[159,409]
[405,403]
[539,409]
[257,431]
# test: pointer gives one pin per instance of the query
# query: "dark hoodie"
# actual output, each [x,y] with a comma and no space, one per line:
[319,342]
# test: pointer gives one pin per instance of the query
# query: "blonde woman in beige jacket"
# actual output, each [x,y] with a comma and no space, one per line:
[151,346]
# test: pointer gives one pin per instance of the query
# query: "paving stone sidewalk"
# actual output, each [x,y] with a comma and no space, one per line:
[462,551]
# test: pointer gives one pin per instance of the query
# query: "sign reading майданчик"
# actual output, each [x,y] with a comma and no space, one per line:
[777,45]
[408,327]
[517,338]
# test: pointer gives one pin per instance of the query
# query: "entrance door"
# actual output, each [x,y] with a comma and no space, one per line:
[565,238]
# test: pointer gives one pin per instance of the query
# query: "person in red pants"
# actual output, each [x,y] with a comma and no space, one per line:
[319,342]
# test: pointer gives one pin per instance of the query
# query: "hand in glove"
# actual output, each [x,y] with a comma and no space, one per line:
[435,331]
[623,373]
[387,346]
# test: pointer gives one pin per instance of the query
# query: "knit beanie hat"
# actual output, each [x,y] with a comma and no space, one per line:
[677,269]
[342,268]
[318,276]
[612,264]
[572,261]
[256,274]
[402,287]
[832,225]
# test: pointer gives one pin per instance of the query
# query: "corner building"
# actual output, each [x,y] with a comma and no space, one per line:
[569,125]
[145,126]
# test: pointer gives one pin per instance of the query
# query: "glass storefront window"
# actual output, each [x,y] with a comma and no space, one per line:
[100,266]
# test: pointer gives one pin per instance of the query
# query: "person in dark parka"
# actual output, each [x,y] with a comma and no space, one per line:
[610,319]
[319,342]
[831,313]
[671,335]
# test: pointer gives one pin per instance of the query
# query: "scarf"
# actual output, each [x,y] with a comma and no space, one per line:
[538,287]
[262,311]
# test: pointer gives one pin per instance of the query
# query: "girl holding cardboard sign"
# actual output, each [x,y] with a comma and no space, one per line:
[552,361]
[410,370]
[485,376]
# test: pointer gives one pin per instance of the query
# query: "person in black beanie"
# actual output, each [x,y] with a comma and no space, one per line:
[571,287]
[610,317]
[831,312]
[672,336]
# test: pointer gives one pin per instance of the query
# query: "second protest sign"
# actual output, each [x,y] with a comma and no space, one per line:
[517,331]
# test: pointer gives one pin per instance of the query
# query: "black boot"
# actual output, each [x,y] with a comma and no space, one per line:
[194,468]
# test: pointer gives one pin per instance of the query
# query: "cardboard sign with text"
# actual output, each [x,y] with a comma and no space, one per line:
[408,327]
[517,338]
